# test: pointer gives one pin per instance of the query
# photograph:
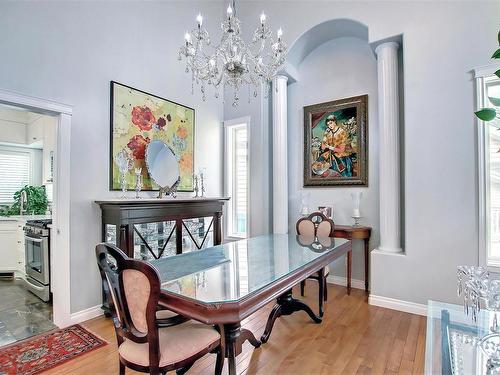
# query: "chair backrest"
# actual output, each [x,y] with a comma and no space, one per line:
[133,288]
[316,224]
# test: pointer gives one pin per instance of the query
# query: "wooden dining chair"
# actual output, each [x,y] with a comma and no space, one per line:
[316,225]
[144,344]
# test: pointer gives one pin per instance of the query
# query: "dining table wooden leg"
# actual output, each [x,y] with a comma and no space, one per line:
[321,299]
[286,305]
[234,337]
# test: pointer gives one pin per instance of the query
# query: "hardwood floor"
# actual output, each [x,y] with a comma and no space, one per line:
[353,338]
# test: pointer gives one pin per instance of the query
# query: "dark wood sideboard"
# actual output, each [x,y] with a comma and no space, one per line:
[123,219]
[150,229]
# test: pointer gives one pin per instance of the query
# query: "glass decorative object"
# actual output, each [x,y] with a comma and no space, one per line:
[232,62]
[124,164]
[138,182]
[480,291]
[196,186]
[202,183]
[356,201]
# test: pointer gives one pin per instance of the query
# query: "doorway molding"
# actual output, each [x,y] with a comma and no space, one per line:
[60,232]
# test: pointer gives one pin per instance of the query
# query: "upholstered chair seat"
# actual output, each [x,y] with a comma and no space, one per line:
[165,314]
[175,344]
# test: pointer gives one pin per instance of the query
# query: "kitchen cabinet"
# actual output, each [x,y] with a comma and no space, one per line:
[12,248]
[21,250]
[9,246]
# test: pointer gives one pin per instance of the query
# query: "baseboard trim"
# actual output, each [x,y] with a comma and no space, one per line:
[339,280]
[87,314]
[397,304]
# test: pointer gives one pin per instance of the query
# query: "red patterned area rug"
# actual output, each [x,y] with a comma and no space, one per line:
[50,349]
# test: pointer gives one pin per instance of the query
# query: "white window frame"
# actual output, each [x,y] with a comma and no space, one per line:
[227,126]
[482,76]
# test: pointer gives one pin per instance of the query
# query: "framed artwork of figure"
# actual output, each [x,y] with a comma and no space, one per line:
[336,143]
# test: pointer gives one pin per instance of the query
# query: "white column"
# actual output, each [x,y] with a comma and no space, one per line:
[280,155]
[389,172]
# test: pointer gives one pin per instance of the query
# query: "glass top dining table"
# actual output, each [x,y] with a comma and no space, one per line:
[234,270]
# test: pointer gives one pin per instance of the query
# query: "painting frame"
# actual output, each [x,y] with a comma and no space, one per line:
[360,103]
[112,176]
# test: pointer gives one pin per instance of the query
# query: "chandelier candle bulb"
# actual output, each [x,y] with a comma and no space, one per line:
[199,19]
[187,37]
[262,19]
[280,33]
[229,12]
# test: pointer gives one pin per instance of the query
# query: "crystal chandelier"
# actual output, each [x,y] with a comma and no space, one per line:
[233,62]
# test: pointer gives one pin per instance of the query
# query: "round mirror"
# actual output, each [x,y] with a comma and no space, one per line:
[163,166]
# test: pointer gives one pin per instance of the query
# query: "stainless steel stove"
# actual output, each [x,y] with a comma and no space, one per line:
[37,243]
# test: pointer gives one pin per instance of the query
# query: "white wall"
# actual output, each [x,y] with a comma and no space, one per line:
[443,41]
[13,125]
[68,52]
[335,70]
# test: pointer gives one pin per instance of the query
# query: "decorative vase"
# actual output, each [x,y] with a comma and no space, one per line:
[124,164]
[138,182]
[356,201]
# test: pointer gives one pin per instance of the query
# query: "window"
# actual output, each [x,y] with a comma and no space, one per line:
[236,178]
[14,173]
[489,171]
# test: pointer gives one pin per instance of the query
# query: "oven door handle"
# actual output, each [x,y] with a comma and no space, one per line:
[38,240]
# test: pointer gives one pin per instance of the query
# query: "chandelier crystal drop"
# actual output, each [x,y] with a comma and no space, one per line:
[233,63]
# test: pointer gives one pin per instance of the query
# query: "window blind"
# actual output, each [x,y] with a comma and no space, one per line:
[14,174]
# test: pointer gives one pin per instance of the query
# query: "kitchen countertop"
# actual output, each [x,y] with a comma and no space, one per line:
[24,217]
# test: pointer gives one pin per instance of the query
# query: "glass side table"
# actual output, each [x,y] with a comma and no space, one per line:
[452,340]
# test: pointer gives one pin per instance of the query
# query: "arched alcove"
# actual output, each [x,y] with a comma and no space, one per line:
[324,32]
[318,35]
[331,61]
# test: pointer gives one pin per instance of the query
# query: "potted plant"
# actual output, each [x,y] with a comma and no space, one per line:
[37,202]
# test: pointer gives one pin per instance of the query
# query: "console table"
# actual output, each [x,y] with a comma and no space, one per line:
[150,229]
[352,232]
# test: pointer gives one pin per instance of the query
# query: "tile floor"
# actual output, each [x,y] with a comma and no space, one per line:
[22,314]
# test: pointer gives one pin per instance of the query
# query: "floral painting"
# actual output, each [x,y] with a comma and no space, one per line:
[335,140]
[137,118]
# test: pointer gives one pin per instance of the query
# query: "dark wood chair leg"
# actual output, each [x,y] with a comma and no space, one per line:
[182,371]
[326,289]
[302,288]
[219,361]
[122,369]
